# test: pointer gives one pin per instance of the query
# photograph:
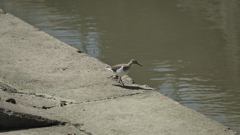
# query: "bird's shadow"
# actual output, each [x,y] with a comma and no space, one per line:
[131,87]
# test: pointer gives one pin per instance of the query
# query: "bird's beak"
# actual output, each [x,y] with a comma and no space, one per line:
[139,64]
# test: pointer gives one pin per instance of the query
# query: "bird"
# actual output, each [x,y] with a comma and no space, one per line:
[122,69]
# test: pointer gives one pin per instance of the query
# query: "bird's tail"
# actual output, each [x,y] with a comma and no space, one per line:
[109,68]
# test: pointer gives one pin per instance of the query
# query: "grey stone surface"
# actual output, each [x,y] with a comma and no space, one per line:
[29,100]
[54,130]
[148,113]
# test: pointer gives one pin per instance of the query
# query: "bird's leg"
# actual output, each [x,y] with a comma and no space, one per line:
[122,81]
[111,76]
[119,80]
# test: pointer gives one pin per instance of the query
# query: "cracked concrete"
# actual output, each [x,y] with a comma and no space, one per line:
[29,100]
[54,85]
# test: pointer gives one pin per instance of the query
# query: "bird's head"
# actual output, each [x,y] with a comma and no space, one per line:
[133,61]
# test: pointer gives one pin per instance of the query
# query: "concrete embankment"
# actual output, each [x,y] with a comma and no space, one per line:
[53,89]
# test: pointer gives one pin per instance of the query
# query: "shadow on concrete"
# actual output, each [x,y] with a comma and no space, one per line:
[17,120]
[131,87]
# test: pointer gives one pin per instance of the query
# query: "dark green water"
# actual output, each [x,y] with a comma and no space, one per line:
[189,50]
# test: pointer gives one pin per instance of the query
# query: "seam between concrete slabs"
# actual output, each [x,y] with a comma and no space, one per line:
[8,89]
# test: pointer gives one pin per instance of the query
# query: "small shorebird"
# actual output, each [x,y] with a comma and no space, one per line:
[122,69]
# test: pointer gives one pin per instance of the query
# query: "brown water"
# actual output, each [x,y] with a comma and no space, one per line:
[189,50]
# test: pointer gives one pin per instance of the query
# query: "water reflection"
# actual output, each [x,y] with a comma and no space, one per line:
[223,16]
[196,91]
[79,31]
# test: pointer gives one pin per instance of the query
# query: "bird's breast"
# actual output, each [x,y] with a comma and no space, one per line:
[121,72]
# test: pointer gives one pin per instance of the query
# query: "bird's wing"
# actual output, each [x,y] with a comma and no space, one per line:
[116,67]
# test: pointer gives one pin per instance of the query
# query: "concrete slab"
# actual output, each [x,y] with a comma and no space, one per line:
[18,116]
[141,114]
[54,130]
[28,100]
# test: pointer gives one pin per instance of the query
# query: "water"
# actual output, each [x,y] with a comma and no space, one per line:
[189,50]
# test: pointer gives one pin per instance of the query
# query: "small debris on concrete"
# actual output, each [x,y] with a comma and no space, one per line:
[45,107]
[63,103]
[11,100]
